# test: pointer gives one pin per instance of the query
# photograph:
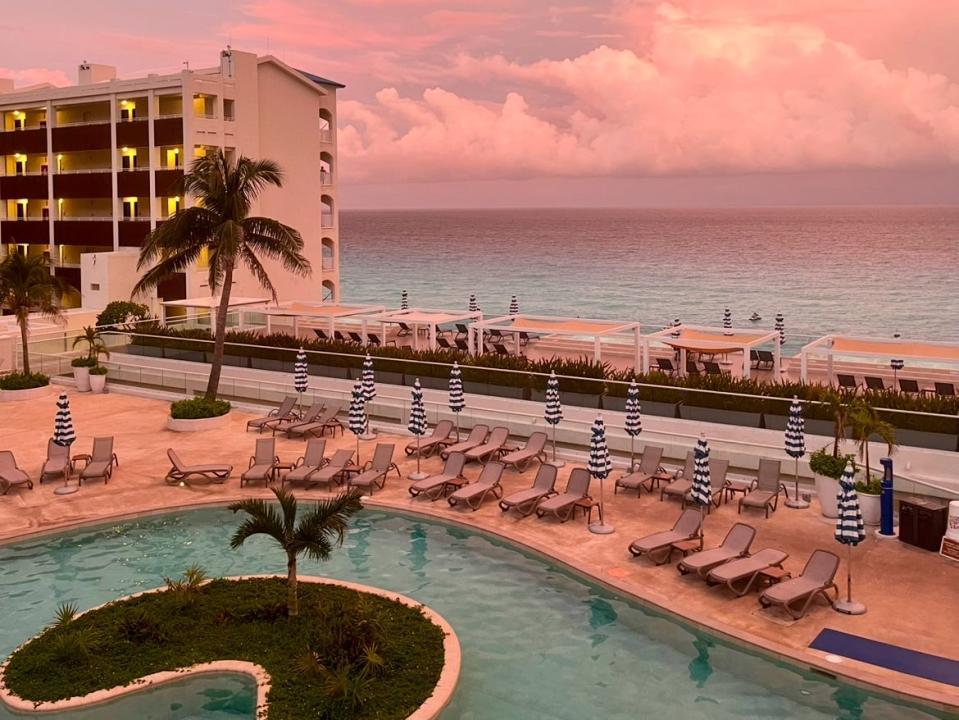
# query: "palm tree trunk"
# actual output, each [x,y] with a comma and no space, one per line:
[219,337]
[23,340]
[292,600]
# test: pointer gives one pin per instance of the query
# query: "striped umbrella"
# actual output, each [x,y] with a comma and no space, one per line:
[781,328]
[473,307]
[727,322]
[850,531]
[554,408]
[300,378]
[896,364]
[456,401]
[599,466]
[356,419]
[676,324]
[417,424]
[64,436]
[404,300]
[369,391]
[796,448]
[513,306]
[634,422]
[701,492]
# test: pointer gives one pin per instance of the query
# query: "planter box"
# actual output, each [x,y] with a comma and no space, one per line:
[98,384]
[871,508]
[826,428]
[198,425]
[572,399]
[145,350]
[778,422]
[647,407]
[270,364]
[242,361]
[516,393]
[433,383]
[187,355]
[392,378]
[82,377]
[931,440]
[716,415]
[28,394]
[826,490]
[329,371]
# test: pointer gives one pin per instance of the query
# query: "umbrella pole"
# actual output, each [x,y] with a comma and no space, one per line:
[849,606]
[796,502]
[601,528]
[632,453]
[418,475]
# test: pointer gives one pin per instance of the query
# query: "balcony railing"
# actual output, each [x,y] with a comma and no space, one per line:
[83,171]
[328,263]
[78,123]
[326,220]
[326,135]
[86,218]
[326,178]
[26,218]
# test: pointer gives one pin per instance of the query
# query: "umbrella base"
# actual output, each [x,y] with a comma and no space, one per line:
[66,489]
[368,436]
[557,463]
[797,504]
[850,607]
[417,476]
[601,529]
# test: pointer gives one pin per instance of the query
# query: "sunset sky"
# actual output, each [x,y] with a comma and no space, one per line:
[453,103]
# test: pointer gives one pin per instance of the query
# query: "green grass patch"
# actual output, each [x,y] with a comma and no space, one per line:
[198,408]
[347,655]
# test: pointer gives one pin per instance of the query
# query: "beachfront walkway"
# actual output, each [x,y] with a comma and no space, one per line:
[911,594]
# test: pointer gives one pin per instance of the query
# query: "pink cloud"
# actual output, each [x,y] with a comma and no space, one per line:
[24,77]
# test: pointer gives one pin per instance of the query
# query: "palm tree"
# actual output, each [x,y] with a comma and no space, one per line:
[839,409]
[316,534]
[865,422]
[27,285]
[220,224]
[95,344]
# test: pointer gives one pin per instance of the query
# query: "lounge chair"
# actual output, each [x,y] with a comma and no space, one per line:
[355,337]
[404,330]
[692,368]
[488,483]
[102,461]
[740,575]
[435,486]
[816,579]
[500,349]
[687,527]
[766,358]
[521,458]
[334,470]
[58,464]
[429,445]
[284,412]
[325,421]
[493,446]
[462,344]
[525,501]
[310,415]
[754,358]
[374,339]
[909,386]
[262,464]
[476,437]
[443,344]
[180,472]
[649,468]
[311,461]
[945,389]
[682,479]
[712,368]
[462,331]
[734,545]
[665,365]
[340,337]
[375,471]
[563,505]
[717,484]
[847,382]
[320,334]
[11,475]
[765,493]
[874,383]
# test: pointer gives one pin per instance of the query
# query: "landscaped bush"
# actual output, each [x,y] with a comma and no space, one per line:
[823,463]
[198,408]
[347,655]
[83,362]
[119,313]
[23,381]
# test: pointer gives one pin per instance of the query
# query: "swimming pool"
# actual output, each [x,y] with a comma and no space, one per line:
[538,643]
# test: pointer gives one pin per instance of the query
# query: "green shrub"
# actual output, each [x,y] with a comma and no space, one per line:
[23,381]
[83,362]
[121,312]
[872,487]
[823,463]
[197,408]
[98,370]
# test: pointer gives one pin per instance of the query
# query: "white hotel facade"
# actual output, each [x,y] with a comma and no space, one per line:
[87,171]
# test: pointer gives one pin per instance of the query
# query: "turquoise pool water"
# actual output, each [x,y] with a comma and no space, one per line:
[538,643]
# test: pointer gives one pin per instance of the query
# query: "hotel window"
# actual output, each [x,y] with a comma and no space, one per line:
[20,165]
[45,212]
[18,122]
[129,160]
[21,209]
[229,109]
[128,110]
[129,208]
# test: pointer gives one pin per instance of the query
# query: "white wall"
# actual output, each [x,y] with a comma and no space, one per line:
[114,272]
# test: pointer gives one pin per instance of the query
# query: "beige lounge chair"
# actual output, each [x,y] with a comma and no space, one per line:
[521,458]
[326,420]
[310,415]
[765,493]
[102,461]
[375,470]
[563,505]
[734,545]
[11,475]
[476,437]
[311,461]
[717,484]
[492,447]
[284,412]
[262,464]
[429,445]
[643,477]
[334,470]
[687,527]
[488,482]
[435,486]
[58,464]
[740,575]
[525,501]
[815,580]
[682,481]
[180,472]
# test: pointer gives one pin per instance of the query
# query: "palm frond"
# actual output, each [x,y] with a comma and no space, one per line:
[277,241]
[288,508]
[263,520]
[324,526]
[258,271]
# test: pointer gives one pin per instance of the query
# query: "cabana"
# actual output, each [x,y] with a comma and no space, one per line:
[933,353]
[565,326]
[327,313]
[713,341]
[419,318]
[210,304]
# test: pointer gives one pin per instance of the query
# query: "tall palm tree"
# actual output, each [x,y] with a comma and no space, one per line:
[865,422]
[27,285]
[220,224]
[316,533]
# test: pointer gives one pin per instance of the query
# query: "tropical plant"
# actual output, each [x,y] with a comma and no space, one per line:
[822,462]
[95,344]
[317,533]
[185,588]
[120,313]
[28,285]
[866,422]
[837,406]
[197,408]
[220,226]
[66,614]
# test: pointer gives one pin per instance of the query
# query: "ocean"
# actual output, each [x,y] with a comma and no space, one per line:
[865,270]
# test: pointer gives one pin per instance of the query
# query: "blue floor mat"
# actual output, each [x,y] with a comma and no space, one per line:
[892,657]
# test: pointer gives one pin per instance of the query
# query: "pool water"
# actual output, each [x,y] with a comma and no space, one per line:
[538,643]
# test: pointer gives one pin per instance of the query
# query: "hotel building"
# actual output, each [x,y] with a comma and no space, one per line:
[87,171]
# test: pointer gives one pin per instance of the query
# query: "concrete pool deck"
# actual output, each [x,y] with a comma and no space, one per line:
[912,595]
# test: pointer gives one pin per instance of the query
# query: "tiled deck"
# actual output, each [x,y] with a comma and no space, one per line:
[911,594]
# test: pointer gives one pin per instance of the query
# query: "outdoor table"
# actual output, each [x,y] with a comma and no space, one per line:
[586,505]
[773,575]
[687,546]
[737,485]
[281,467]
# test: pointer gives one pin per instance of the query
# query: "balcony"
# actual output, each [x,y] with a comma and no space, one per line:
[133,183]
[34,231]
[326,177]
[133,133]
[92,231]
[326,135]
[89,136]
[328,263]
[168,182]
[133,231]
[23,141]
[168,131]
[33,187]
[326,220]
[92,184]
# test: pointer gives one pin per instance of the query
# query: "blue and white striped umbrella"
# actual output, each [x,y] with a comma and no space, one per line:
[473,307]
[369,380]
[727,322]
[781,328]
[795,431]
[677,331]
[300,378]
[599,465]
[456,402]
[417,423]
[357,415]
[63,433]
[404,301]
[554,409]
[850,529]
[513,306]
[634,421]
[701,491]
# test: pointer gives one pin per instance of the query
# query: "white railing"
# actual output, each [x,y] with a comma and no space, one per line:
[84,171]
[326,178]
[77,123]
[326,135]
[328,263]
[86,218]
[326,220]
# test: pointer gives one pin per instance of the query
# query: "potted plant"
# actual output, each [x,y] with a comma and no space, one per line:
[23,386]
[82,365]
[81,372]
[197,414]
[98,379]
[869,492]
[828,468]
[867,425]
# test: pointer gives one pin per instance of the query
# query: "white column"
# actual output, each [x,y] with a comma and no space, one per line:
[645,355]
[113,172]
[803,367]
[296,326]
[829,367]
[682,362]
[516,342]
[777,360]
[478,337]
[269,324]
[637,348]
[153,157]
[432,336]
[596,348]
[363,329]
[746,367]
[51,201]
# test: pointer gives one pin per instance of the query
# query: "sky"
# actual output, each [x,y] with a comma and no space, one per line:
[504,103]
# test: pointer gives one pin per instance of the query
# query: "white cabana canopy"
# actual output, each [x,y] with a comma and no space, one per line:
[565,326]
[713,340]
[417,318]
[320,312]
[879,348]
[210,303]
